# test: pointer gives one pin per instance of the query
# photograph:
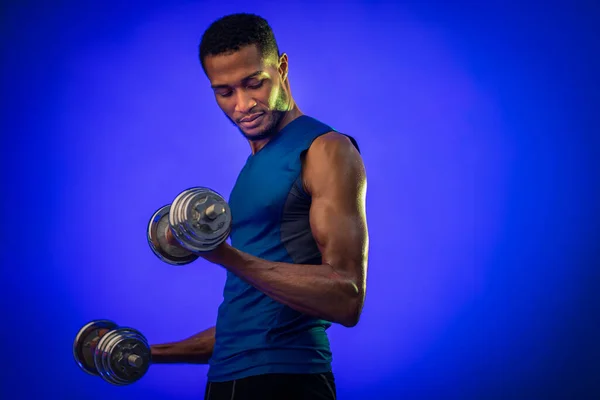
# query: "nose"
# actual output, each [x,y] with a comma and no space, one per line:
[244,102]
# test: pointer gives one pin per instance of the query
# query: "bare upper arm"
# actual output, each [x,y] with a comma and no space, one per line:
[335,177]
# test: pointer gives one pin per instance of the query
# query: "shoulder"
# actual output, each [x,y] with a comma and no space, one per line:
[332,157]
[333,146]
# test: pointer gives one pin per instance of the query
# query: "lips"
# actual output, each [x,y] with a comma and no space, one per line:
[251,121]
[250,118]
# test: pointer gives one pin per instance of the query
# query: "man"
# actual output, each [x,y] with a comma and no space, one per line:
[299,241]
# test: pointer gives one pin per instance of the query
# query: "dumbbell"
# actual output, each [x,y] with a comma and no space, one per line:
[119,355]
[199,219]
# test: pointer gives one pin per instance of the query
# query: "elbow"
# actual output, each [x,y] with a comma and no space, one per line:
[351,319]
[350,322]
[351,300]
[353,311]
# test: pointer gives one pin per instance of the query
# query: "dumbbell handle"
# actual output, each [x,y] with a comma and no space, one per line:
[134,360]
[214,211]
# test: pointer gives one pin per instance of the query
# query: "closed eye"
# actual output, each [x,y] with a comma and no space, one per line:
[256,86]
[230,92]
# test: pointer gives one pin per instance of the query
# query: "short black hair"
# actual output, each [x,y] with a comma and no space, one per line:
[230,33]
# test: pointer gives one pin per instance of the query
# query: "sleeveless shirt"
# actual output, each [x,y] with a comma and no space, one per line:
[270,219]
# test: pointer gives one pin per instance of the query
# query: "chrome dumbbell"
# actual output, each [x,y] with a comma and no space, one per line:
[119,355]
[199,219]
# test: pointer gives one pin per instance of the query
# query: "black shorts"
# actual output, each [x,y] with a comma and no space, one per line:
[274,387]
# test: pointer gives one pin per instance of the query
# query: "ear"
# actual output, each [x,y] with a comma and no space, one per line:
[283,66]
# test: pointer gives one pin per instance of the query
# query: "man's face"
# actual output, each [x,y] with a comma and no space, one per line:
[250,90]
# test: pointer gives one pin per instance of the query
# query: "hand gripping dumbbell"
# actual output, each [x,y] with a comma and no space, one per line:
[199,219]
[119,355]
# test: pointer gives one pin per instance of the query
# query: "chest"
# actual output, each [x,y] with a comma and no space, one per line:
[262,189]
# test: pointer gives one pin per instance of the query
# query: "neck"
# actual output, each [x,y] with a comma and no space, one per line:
[289,116]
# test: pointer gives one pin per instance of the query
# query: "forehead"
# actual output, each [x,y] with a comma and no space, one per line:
[232,67]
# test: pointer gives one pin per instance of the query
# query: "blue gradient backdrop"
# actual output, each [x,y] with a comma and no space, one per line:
[483,199]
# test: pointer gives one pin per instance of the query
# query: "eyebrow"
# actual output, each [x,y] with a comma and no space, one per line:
[253,75]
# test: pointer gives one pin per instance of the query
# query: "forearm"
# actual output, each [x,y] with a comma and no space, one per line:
[193,350]
[316,290]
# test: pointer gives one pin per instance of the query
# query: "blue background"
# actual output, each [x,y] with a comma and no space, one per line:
[476,125]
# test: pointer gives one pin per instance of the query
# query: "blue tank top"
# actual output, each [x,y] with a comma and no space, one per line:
[270,211]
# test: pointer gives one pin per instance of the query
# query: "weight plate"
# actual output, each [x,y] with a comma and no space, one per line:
[122,356]
[86,341]
[156,235]
[193,226]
